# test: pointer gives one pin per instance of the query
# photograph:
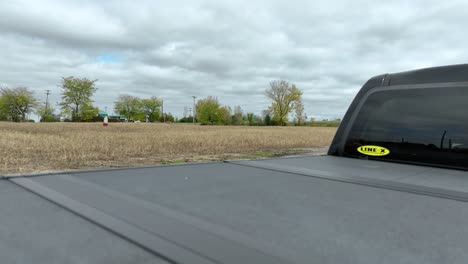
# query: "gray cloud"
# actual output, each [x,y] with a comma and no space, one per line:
[227,49]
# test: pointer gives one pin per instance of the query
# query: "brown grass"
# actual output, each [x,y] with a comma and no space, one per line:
[33,147]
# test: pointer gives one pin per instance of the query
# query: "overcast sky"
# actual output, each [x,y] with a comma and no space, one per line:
[228,49]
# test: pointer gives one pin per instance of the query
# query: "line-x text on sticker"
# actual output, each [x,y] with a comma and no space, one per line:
[373,150]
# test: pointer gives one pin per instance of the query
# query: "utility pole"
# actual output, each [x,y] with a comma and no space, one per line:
[47,103]
[105,109]
[193,116]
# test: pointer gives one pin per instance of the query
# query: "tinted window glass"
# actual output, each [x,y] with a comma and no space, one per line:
[416,125]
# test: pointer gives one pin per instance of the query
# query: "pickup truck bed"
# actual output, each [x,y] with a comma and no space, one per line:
[355,205]
[289,210]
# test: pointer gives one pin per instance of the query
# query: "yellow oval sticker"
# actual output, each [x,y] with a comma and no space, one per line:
[373,150]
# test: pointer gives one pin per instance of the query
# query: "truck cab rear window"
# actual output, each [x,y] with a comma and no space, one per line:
[425,125]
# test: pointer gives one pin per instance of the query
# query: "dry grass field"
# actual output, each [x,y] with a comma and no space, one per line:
[34,147]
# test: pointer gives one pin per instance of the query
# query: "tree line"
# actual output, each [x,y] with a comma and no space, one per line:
[285,98]
[134,108]
[76,105]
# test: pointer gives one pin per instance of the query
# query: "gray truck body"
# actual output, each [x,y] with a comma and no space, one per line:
[325,209]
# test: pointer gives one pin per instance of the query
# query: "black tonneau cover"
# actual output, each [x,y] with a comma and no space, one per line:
[290,210]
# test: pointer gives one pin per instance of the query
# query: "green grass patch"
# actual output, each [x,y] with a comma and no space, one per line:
[325,124]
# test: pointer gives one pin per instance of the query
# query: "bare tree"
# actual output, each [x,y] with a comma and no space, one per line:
[301,117]
[238,116]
